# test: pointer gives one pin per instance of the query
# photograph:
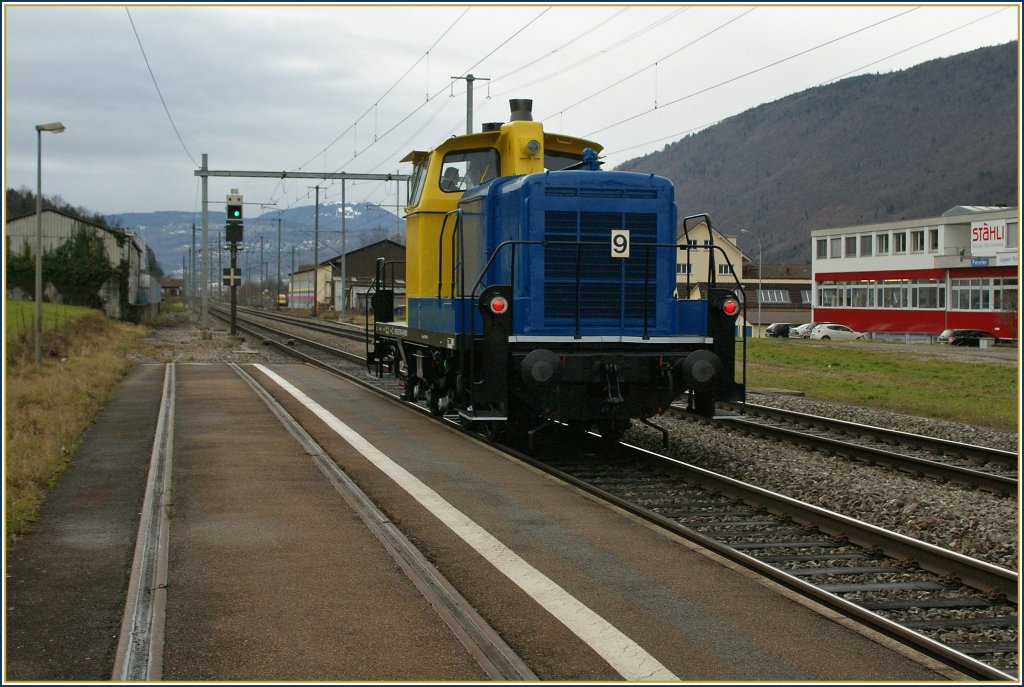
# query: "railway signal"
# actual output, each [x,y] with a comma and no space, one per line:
[233,234]
[234,203]
[233,226]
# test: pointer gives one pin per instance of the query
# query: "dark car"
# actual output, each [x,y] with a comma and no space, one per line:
[971,337]
[778,329]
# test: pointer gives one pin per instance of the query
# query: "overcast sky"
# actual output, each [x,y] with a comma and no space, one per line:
[343,88]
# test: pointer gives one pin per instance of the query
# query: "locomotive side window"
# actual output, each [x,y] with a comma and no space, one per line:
[462,169]
[419,176]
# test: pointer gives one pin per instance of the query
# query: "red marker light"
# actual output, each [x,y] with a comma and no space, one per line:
[730,306]
[499,305]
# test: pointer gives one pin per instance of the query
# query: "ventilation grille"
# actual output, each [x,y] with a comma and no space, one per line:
[611,290]
[573,192]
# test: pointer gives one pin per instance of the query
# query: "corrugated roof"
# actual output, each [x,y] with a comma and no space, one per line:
[968,209]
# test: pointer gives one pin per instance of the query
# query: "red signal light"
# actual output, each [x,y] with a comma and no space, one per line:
[498,305]
[730,306]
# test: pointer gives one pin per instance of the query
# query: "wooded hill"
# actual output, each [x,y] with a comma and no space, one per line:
[868,149]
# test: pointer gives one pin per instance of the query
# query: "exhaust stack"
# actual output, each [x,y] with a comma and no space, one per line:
[522,110]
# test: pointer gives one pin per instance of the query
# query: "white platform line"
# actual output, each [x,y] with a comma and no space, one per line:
[621,652]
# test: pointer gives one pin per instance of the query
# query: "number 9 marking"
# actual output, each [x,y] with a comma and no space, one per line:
[620,243]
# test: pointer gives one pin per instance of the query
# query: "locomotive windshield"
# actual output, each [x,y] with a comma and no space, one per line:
[462,169]
[555,160]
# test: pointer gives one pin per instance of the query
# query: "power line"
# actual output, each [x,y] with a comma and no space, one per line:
[600,53]
[439,92]
[655,63]
[155,84]
[390,88]
[929,40]
[550,53]
[836,78]
[746,74]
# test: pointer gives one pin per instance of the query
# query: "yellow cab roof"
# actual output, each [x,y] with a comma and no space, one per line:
[484,139]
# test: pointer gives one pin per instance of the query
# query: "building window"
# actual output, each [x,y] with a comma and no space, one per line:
[684,268]
[933,240]
[865,245]
[892,293]
[851,246]
[861,295]
[837,247]
[822,249]
[828,295]
[805,296]
[899,240]
[980,294]
[724,268]
[917,241]
[927,294]
[1004,293]
[882,244]
[773,296]
[922,294]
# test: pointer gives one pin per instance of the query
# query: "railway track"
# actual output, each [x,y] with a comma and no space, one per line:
[985,468]
[952,607]
[956,609]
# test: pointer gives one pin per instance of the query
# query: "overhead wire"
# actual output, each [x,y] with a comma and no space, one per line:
[404,119]
[157,86]
[917,45]
[390,88]
[836,78]
[655,63]
[281,183]
[441,91]
[584,33]
[606,50]
[479,105]
[751,72]
[437,112]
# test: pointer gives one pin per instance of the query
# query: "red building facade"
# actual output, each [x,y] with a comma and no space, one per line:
[956,271]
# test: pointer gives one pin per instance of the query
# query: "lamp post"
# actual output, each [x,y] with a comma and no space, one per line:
[56,128]
[759,284]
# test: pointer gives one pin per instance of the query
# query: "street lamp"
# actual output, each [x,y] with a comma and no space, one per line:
[55,128]
[759,283]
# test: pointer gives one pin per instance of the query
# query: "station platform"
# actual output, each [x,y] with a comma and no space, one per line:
[272,576]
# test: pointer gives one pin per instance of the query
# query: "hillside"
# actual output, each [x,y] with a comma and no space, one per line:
[873,148]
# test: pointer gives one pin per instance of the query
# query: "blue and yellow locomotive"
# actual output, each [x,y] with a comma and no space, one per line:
[540,289]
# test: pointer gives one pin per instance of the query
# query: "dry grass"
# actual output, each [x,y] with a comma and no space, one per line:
[46,410]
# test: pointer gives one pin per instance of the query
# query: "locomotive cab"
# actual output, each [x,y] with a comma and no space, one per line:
[440,177]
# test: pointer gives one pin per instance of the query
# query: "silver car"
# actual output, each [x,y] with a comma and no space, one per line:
[803,331]
[835,332]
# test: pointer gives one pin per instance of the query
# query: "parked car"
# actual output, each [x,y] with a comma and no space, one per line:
[803,331]
[835,332]
[970,337]
[778,329]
